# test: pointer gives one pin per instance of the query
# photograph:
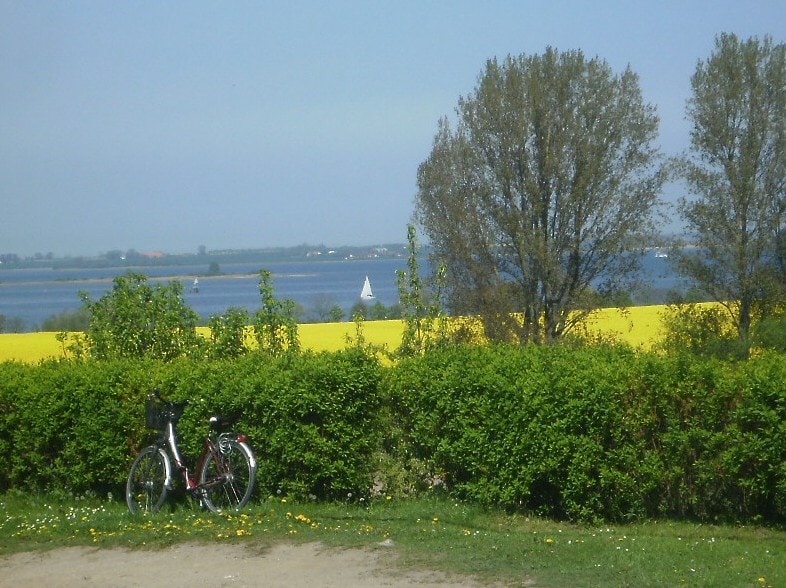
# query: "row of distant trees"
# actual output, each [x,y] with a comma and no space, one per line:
[12,324]
[323,310]
[543,194]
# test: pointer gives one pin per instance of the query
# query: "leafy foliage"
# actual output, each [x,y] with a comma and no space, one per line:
[275,325]
[425,322]
[543,194]
[138,320]
[598,433]
[770,333]
[735,172]
[703,330]
[70,321]
[577,432]
[228,334]
[312,419]
[11,324]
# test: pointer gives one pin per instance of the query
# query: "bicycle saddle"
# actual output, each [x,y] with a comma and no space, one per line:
[222,422]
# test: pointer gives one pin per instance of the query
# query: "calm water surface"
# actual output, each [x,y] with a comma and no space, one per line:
[37,294]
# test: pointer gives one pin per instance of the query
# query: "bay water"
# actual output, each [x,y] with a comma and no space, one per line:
[33,295]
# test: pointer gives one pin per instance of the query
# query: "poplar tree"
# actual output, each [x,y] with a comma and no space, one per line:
[542,197]
[736,175]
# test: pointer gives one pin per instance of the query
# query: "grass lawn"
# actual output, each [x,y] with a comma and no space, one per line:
[429,532]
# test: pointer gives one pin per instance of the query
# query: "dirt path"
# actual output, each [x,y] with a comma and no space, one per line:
[188,565]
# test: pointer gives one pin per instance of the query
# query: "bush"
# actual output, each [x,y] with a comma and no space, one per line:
[228,334]
[137,320]
[539,429]
[75,426]
[599,433]
[70,426]
[275,324]
[313,419]
[586,433]
[702,330]
[770,333]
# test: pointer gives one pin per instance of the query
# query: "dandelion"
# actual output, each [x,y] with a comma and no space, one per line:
[549,540]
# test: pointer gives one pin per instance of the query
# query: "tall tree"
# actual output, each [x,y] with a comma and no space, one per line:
[736,173]
[542,196]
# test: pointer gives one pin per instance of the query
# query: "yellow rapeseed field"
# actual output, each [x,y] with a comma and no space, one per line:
[639,326]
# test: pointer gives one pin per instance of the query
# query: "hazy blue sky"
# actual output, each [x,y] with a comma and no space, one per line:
[169,125]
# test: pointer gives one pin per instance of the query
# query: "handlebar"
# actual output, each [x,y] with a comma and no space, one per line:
[155,394]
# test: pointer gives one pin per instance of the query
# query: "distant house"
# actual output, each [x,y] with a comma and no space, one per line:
[154,254]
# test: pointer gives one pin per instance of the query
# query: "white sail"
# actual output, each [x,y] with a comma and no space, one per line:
[365,293]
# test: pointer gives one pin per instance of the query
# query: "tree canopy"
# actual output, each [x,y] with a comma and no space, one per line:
[137,319]
[543,195]
[736,174]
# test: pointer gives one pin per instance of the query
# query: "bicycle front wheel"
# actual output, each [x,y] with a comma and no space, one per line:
[228,476]
[148,479]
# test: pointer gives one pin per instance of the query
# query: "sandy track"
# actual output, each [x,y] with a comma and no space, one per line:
[191,564]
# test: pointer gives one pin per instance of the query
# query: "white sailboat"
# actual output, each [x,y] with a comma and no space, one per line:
[365,293]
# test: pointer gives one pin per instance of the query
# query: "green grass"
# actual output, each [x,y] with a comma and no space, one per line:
[429,532]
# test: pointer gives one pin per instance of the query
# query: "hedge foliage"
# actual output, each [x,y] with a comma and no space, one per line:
[601,433]
[594,433]
[313,420]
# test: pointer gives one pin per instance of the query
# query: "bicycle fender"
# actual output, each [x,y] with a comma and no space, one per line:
[251,456]
[169,482]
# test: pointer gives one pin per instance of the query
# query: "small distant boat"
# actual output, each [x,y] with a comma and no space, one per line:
[195,287]
[366,293]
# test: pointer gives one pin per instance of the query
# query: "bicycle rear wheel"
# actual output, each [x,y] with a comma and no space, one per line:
[228,476]
[146,488]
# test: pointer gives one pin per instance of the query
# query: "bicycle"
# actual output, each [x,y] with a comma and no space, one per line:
[224,476]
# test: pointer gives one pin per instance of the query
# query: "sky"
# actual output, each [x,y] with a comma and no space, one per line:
[166,126]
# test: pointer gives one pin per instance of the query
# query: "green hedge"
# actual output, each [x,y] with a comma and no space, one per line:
[74,426]
[587,434]
[600,433]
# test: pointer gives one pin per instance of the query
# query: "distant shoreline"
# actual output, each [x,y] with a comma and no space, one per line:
[135,260]
[171,278]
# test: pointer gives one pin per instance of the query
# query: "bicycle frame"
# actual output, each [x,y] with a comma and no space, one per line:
[209,447]
[170,438]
